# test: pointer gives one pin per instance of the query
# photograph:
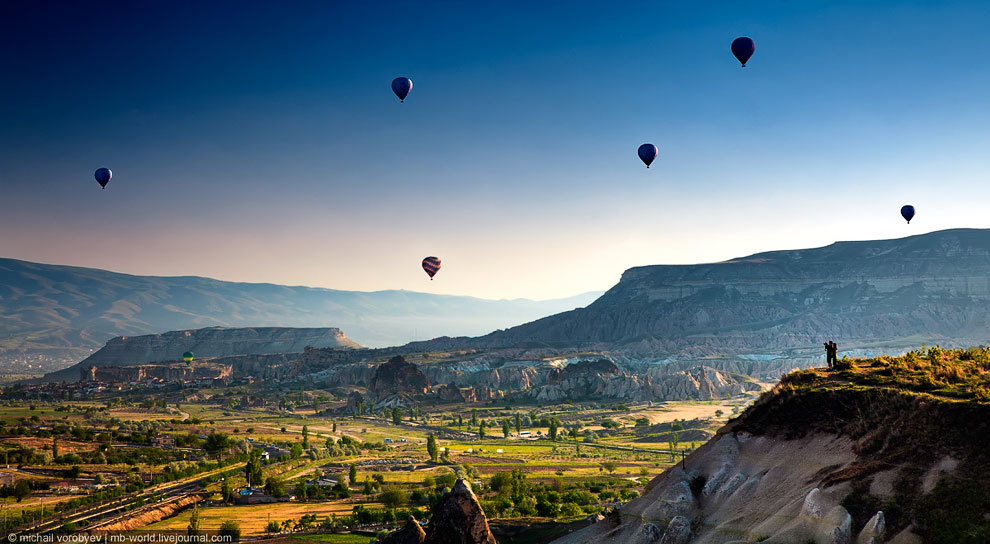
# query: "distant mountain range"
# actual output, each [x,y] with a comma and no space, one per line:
[872,296]
[761,314]
[52,316]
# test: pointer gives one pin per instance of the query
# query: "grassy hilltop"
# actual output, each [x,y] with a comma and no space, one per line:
[905,415]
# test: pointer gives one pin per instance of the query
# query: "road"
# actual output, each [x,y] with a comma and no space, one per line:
[168,492]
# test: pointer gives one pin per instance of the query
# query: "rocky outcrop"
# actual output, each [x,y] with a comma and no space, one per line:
[206,343]
[700,383]
[815,460]
[398,376]
[449,392]
[678,531]
[582,370]
[411,533]
[459,519]
[355,401]
[740,485]
[168,373]
[874,530]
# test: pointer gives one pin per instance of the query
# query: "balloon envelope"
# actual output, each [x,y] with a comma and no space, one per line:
[187,356]
[103,176]
[431,265]
[743,48]
[647,153]
[907,212]
[401,87]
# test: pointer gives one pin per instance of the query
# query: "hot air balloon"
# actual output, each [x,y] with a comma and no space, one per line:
[103,176]
[907,212]
[187,356]
[401,87]
[743,48]
[647,153]
[431,265]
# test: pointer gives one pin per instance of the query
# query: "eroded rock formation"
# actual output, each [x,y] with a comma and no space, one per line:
[398,376]
[459,519]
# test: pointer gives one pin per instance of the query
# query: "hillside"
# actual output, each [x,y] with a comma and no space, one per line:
[57,315]
[891,449]
[868,296]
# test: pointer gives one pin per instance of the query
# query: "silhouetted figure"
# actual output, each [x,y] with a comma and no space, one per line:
[830,354]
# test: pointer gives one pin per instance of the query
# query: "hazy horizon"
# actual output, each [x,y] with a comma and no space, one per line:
[263,144]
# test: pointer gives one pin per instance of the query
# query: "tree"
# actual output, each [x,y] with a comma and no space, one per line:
[296,451]
[22,490]
[501,481]
[252,470]
[718,413]
[393,497]
[431,447]
[474,416]
[518,423]
[553,429]
[460,421]
[674,441]
[396,416]
[610,466]
[340,490]
[55,448]
[226,491]
[352,474]
[193,528]
[305,435]
[272,527]
[505,428]
[481,430]
[335,427]
[230,529]
[275,487]
[217,443]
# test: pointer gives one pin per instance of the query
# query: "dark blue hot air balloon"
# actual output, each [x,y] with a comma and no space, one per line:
[647,153]
[743,48]
[907,212]
[103,176]
[401,87]
[431,265]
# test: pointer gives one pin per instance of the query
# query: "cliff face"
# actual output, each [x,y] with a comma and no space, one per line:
[398,376]
[701,383]
[170,372]
[933,287]
[860,456]
[206,343]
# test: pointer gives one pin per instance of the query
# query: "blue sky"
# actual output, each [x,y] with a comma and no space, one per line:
[259,141]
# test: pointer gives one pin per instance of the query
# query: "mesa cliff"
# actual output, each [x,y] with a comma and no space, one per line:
[205,343]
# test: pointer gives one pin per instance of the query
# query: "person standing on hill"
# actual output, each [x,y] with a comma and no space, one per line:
[835,355]
[830,354]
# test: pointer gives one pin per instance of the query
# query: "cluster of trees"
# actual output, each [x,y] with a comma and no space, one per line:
[517,497]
